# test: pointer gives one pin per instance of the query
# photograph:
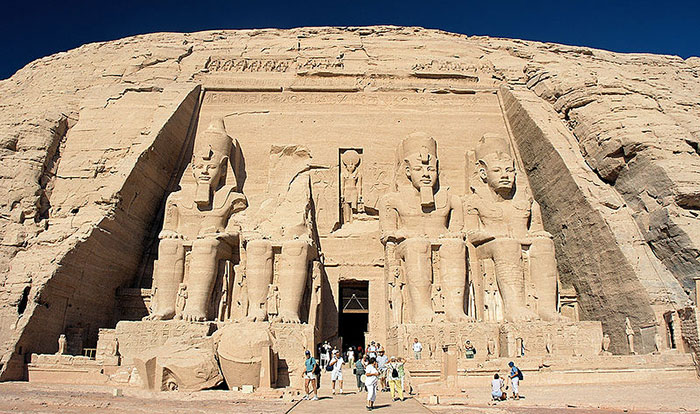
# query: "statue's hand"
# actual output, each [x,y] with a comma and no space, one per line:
[478,237]
[213,235]
[170,234]
[452,235]
[539,234]
[396,236]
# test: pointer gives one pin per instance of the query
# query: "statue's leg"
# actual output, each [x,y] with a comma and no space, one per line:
[259,276]
[418,268]
[543,268]
[453,276]
[293,274]
[200,283]
[507,258]
[167,278]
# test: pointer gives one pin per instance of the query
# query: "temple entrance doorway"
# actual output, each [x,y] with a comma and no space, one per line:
[353,315]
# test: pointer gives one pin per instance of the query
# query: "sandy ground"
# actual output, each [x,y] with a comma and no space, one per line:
[22,397]
[580,399]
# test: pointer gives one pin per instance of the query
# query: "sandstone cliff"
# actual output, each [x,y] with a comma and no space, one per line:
[91,141]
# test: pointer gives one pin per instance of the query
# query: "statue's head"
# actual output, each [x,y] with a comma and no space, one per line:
[420,161]
[210,161]
[350,160]
[495,164]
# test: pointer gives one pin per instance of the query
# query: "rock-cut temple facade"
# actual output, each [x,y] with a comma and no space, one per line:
[179,211]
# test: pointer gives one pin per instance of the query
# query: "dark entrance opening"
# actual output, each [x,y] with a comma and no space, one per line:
[353,315]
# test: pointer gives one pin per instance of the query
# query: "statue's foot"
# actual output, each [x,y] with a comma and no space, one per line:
[458,317]
[521,315]
[424,318]
[193,316]
[553,317]
[256,316]
[288,317]
[159,316]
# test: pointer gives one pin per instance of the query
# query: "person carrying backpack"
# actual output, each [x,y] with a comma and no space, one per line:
[515,376]
[394,371]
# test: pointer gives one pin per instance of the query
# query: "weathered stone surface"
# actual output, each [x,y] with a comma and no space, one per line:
[93,140]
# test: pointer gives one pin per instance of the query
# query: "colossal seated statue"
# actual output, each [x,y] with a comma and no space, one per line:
[503,222]
[278,240]
[198,217]
[417,217]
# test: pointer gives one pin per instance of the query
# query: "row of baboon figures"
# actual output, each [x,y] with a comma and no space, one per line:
[425,231]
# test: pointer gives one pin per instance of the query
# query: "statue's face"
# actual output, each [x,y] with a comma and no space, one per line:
[499,172]
[207,172]
[422,174]
[350,166]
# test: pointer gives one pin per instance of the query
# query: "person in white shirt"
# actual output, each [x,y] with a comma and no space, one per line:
[372,350]
[351,356]
[417,348]
[497,388]
[325,354]
[371,378]
[337,373]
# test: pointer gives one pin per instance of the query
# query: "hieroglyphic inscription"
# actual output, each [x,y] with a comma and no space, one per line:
[484,101]
[444,66]
[237,64]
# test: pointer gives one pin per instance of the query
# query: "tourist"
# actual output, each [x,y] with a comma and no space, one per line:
[469,350]
[310,376]
[497,385]
[337,372]
[351,356]
[515,377]
[417,348]
[402,372]
[371,378]
[359,372]
[372,350]
[394,369]
[382,360]
[325,354]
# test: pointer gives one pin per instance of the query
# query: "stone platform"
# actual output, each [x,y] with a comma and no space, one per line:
[427,375]
[505,339]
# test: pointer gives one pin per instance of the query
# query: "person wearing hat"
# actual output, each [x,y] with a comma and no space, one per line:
[372,350]
[310,375]
[515,377]
[382,361]
[337,372]
[469,350]
[393,371]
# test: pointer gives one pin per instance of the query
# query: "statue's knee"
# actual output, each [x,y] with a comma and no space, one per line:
[259,247]
[205,246]
[543,244]
[454,247]
[416,246]
[169,247]
[295,248]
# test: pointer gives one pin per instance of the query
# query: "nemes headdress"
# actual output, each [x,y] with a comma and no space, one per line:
[418,143]
[215,143]
[214,140]
[490,144]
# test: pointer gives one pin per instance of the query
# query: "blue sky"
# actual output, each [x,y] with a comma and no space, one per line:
[32,29]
